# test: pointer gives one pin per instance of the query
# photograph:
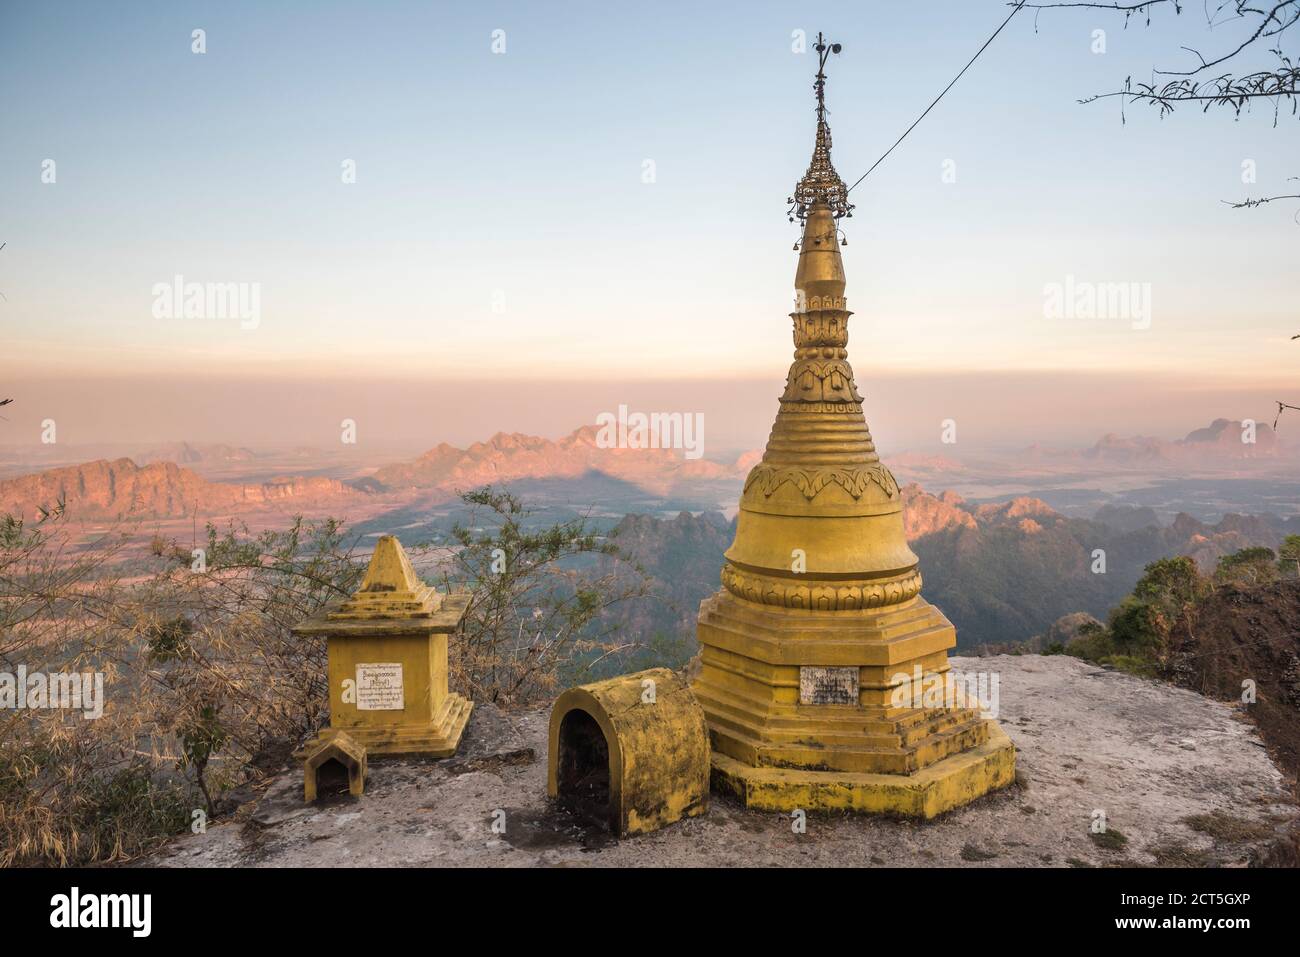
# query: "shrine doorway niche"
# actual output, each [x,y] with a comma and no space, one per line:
[332,778]
[582,768]
[631,751]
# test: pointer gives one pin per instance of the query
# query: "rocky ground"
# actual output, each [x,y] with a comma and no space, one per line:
[1182,781]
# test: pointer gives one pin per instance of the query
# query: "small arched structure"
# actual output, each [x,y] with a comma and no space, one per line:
[632,751]
[333,764]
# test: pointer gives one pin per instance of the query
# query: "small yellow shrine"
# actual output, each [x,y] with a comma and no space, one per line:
[387,648]
[812,650]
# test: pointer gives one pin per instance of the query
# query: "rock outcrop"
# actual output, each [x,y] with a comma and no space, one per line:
[104,489]
[1223,440]
[184,453]
[1180,780]
[508,457]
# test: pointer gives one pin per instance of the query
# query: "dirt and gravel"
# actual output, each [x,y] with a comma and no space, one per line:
[1181,780]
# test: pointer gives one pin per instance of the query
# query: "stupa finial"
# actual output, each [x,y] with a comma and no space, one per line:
[821,185]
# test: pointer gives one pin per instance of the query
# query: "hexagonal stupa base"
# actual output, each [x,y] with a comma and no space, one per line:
[927,793]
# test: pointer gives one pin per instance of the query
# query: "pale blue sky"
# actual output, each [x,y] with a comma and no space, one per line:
[522,173]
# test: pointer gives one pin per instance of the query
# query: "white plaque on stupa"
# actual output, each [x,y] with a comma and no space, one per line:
[379,687]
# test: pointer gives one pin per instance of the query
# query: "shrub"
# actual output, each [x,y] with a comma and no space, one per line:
[1288,557]
[1250,566]
[1136,636]
[540,595]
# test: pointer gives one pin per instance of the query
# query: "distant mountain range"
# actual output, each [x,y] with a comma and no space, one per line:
[162,486]
[1007,572]
[183,453]
[1001,572]
[105,489]
[512,456]
[1223,439]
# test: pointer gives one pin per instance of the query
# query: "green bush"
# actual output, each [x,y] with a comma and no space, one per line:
[1250,566]
[1288,557]
[1135,638]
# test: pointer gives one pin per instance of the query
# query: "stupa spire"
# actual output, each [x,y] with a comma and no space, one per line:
[820,466]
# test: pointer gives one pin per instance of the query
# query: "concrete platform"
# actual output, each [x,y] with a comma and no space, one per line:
[927,793]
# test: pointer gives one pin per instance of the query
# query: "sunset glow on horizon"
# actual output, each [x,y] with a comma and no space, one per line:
[605,203]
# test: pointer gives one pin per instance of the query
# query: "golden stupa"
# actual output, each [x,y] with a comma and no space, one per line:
[816,651]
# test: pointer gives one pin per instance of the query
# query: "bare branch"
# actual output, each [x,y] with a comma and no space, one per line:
[1127,8]
[1225,90]
[1249,203]
[1261,31]
[1278,85]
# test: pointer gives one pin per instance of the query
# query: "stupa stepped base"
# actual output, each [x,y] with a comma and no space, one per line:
[441,739]
[837,737]
[940,787]
[825,710]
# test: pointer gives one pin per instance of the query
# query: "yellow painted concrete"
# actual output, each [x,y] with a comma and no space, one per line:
[340,747]
[941,787]
[394,619]
[657,743]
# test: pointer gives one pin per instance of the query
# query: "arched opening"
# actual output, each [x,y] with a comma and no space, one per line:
[582,769]
[331,778]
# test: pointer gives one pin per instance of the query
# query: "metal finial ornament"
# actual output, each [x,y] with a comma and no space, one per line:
[821,184]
